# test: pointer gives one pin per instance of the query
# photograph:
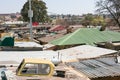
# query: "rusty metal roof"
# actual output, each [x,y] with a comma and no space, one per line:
[100,67]
[51,37]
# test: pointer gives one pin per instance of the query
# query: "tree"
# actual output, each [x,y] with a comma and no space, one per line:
[87,21]
[98,21]
[110,22]
[39,11]
[111,7]
[93,20]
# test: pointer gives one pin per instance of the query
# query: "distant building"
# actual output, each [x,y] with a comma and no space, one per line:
[9,17]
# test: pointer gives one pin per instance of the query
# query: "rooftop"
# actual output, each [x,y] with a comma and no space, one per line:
[84,52]
[27,44]
[96,68]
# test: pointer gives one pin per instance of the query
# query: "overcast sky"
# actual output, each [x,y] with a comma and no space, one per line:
[77,7]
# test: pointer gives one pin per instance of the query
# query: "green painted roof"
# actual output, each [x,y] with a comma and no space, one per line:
[111,35]
[87,36]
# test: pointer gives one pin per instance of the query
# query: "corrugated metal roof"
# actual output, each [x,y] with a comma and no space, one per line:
[87,36]
[27,44]
[101,67]
[84,52]
[80,52]
[57,28]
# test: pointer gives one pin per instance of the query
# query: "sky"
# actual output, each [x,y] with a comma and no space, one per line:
[76,7]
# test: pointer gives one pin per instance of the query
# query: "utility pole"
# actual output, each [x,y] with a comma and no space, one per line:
[30,15]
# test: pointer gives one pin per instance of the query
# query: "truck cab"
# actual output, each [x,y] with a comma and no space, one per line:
[35,67]
[32,69]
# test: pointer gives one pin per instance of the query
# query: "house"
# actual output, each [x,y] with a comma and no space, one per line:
[87,36]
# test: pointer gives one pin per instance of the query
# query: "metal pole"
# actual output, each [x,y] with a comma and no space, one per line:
[58,55]
[30,16]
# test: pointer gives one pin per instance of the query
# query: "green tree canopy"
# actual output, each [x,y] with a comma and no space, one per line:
[88,18]
[93,20]
[39,11]
[98,21]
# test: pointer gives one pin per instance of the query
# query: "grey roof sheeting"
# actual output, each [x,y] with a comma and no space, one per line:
[71,54]
[9,57]
[27,44]
[84,52]
[95,68]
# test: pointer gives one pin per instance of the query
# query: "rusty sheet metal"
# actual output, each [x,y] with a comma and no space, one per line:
[100,67]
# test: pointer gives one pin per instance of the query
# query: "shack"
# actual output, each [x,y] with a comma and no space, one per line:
[98,69]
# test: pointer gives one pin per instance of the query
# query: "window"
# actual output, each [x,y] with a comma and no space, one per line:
[37,69]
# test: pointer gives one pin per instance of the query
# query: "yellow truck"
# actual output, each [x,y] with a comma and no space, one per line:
[34,67]
[30,69]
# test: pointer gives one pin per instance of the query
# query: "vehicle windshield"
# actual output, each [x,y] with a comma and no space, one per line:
[37,69]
